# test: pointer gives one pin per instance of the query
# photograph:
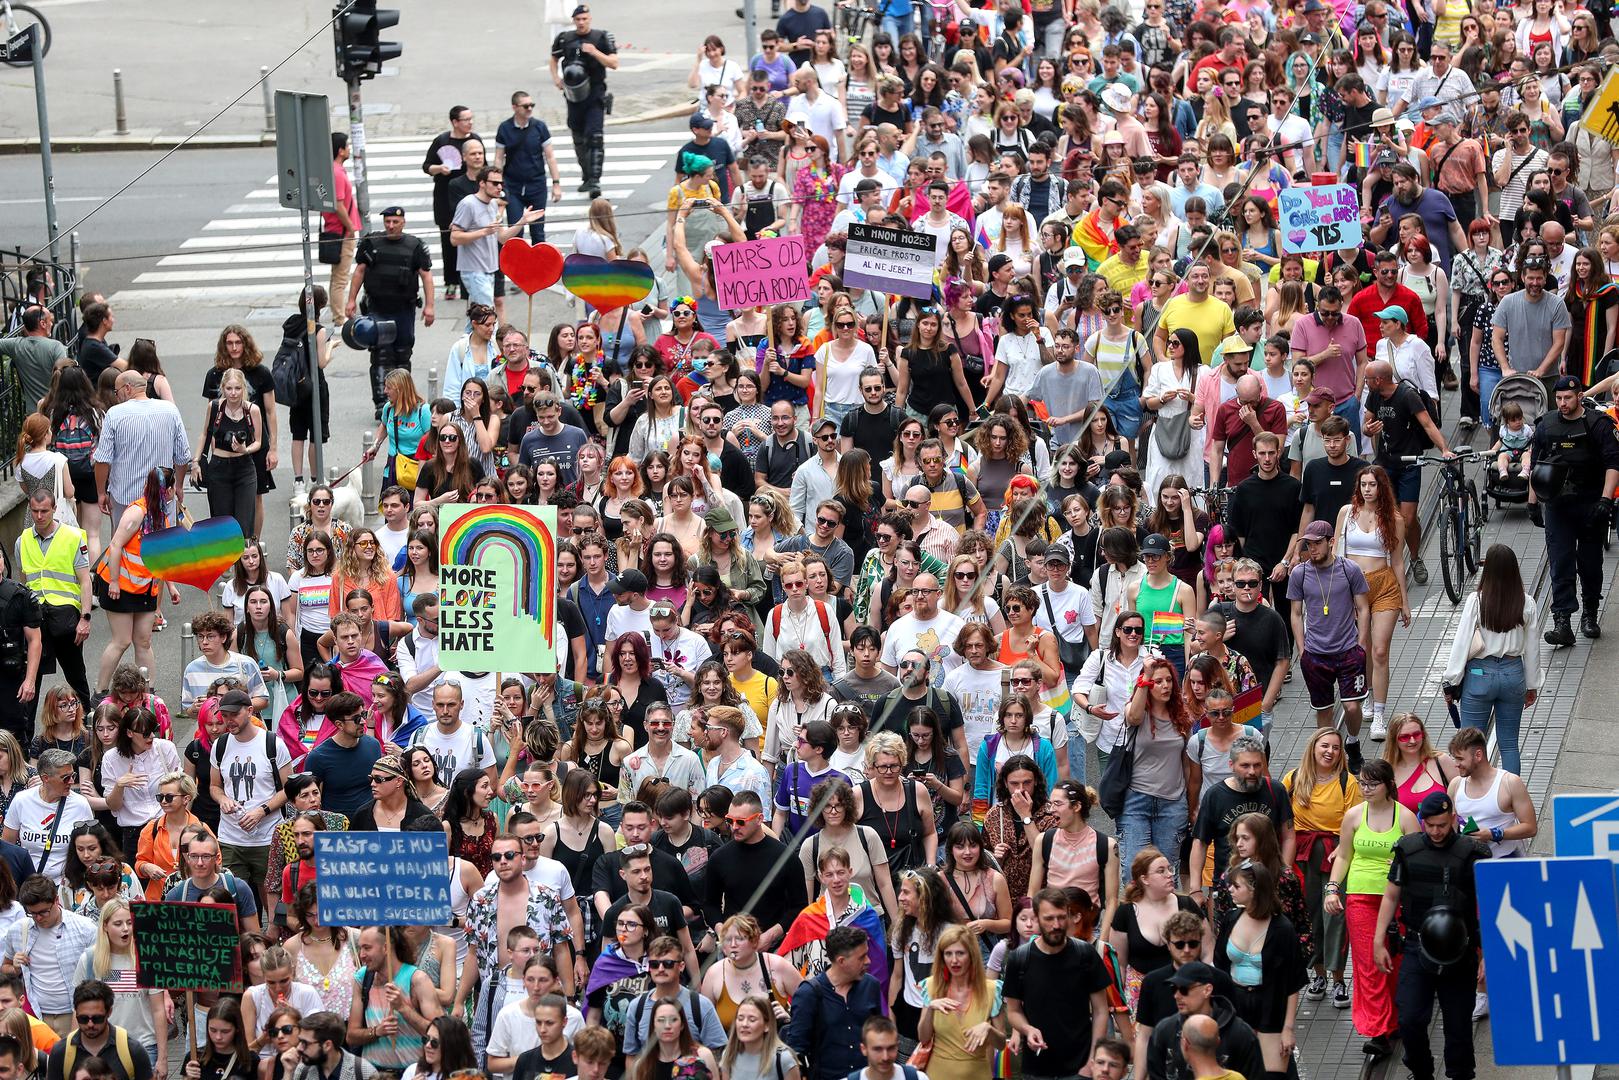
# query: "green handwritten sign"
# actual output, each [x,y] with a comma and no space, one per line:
[186,946]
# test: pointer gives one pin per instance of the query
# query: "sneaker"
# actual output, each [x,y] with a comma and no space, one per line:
[1419,571]
[1481,1005]
[1466,425]
[300,489]
[1378,1046]
[1380,729]
[1352,758]
[1317,988]
[1340,995]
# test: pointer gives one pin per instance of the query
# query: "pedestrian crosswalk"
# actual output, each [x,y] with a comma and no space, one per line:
[251,253]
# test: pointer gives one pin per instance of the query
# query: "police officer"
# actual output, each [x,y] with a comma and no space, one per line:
[21,647]
[1431,883]
[580,59]
[1575,471]
[54,561]
[396,271]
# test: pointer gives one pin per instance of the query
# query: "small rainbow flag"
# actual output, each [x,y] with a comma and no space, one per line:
[1168,624]
[1363,155]
[1246,707]
[196,555]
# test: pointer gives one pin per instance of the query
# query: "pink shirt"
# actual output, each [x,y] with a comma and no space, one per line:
[343,193]
[1310,337]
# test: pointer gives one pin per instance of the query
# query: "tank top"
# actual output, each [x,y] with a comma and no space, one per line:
[1418,784]
[579,864]
[1371,853]
[725,1007]
[993,476]
[900,829]
[1150,600]
[1486,812]
[1358,541]
[333,987]
[460,900]
[228,434]
[1073,861]
[600,765]
[1246,969]
[392,1052]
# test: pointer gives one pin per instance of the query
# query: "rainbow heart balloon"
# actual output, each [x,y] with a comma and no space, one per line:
[606,285]
[197,555]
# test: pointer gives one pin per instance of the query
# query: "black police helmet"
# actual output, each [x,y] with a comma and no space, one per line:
[1443,937]
[1548,478]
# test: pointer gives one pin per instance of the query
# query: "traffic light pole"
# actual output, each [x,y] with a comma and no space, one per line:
[362,191]
[36,47]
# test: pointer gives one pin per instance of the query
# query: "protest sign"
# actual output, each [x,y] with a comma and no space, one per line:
[890,260]
[753,273]
[497,588]
[186,946]
[382,878]
[1320,218]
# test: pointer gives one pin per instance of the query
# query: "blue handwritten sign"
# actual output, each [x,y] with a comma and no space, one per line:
[382,878]
[1324,218]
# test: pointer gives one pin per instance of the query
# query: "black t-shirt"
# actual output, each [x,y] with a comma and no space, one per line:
[573,623]
[666,914]
[1264,514]
[1402,433]
[1063,1018]
[1157,998]
[667,875]
[873,433]
[693,854]
[1329,487]
[534,1065]
[1261,636]
[1222,806]
[794,24]
[875,114]
[987,305]
[719,152]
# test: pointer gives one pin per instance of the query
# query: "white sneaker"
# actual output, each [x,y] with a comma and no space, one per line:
[299,489]
[1481,1005]
[1380,729]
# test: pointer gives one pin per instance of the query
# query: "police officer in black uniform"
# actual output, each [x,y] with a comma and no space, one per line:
[580,59]
[396,271]
[22,645]
[1431,883]
[1574,473]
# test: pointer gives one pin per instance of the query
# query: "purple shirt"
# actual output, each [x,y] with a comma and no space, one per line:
[1326,597]
[1310,336]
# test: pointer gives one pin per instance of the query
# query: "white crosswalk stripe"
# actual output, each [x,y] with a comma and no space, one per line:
[251,252]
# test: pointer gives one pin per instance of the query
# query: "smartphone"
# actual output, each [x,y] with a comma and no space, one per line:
[918,773]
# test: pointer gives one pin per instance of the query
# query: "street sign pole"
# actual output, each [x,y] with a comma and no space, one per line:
[304,175]
[51,224]
[362,192]
[316,433]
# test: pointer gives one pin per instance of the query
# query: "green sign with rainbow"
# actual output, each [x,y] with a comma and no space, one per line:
[497,588]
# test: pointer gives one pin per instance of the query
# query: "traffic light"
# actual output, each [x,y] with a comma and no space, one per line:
[357,29]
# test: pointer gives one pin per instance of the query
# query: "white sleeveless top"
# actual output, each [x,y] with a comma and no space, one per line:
[1487,812]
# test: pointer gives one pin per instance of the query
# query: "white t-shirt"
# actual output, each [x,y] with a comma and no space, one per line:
[230,598]
[513,1031]
[687,652]
[37,824]
[846,186]
[622,619]
[1021,355]
[392,543]
[301,996]
[464,748]
[244,773]
[1073,610]
[843,376]
[979,695]
[547,875]
[823,117]
[936,637]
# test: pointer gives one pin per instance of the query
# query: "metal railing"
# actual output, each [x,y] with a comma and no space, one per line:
[61,297]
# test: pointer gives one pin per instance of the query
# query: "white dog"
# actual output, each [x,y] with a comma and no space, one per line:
[347,503]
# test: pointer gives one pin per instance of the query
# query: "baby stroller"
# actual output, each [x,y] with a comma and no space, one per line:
[1530,395]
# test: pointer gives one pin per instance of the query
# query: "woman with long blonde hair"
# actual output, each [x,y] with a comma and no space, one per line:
[598,236]
[1284,305]
[963,1021]
[112,960]
[39,468]
[755,1050]
[1371,534]
[406,417]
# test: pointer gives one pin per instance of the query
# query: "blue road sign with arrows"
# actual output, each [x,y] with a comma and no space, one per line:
[1549,927]
[1586,825]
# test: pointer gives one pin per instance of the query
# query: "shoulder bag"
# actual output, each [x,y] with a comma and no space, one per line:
[1119,774]
[1173,434]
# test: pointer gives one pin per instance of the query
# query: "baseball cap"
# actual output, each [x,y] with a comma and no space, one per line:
[1321,394]
[698,120]
[235,701]
[1190,975]
[823,422]
[1445,117]
[1318,530]
[1056,553]
[998,260]
[1309,37]
[1395,312]
[1427,103]
[631,580]
[1386,159]
[1074,259]
[1155,544]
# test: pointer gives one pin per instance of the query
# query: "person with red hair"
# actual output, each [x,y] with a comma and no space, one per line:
[1371,533]
[1155,807]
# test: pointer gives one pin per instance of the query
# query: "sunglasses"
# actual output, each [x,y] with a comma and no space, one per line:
[447,438]
[320,693]
[505,856]
[1247,583]
[662,965]
[281,1029]
[169,796]
[1411,737]
[830,523]
[1133,630]
[320,502]
[86,1019]
[1188,943]
[734,821]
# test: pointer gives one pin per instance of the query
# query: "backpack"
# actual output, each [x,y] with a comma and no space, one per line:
[820,609]
[290,370]
[70,1052]
[1049,837]
[269,752]
[1429,404]
[75,440]
[688,1000]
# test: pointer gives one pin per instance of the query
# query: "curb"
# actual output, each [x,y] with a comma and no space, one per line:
[89,144]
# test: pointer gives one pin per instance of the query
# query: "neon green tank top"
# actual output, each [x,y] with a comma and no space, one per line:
[1150,600]
[1370,857]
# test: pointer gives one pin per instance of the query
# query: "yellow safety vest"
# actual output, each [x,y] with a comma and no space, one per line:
[50,572]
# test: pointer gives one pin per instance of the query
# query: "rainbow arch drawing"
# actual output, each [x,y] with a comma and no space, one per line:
[519,533]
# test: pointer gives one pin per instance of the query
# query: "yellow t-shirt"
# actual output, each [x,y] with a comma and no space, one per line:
[756,691]
[1121,276]
[1328,802]
[1210,321]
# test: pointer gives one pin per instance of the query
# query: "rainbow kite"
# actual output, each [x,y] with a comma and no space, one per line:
[605,285]
[531,545]
[196,555]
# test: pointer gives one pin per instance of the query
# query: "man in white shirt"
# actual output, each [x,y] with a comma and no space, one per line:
[866,168]
[417,653]
[661,756]
[864,197]
[454,744]
[41,818]
[631,610]
[246,782]
[820,113]
[926,629]
[45,948]
[730,764]
[394,505]
[1288,129]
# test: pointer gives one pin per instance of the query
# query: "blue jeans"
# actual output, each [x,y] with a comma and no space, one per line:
[1150,821]
[1076,751]
[1350,410]
[1335,152]
[1495,683]
[837,410]
[1489,377]
[480,289]
[896,25]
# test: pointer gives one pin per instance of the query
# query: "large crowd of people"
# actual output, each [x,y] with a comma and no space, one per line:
[871,609]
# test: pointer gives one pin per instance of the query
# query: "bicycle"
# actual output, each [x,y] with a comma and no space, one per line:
[1462,519]
[15,18]
[1216,501]
[855,21]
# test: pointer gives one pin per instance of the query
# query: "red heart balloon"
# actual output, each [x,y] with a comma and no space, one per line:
[530,267]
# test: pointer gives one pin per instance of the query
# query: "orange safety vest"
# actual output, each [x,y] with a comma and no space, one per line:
[133,577]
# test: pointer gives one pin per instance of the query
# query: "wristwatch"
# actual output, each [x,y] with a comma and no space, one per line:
[1028,821]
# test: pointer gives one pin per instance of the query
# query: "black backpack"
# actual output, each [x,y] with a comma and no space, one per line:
[290,370]
[1429,404]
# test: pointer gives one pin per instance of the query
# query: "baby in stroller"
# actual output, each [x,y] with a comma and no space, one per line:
[1512,442]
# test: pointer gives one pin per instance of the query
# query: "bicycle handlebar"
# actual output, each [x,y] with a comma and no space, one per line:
[1465,454]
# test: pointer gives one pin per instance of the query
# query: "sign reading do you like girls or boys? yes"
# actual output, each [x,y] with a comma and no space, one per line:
[1320,218]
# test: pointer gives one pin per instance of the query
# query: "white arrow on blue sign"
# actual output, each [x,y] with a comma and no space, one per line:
[1548,926]
[1586,825]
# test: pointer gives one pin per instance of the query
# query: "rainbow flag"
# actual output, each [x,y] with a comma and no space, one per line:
[1167,624]
[812,925]
[1363,155]
[1246,707]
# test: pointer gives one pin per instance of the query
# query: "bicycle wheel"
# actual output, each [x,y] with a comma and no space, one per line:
[1450,555]
[1475,529]
[22,17]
